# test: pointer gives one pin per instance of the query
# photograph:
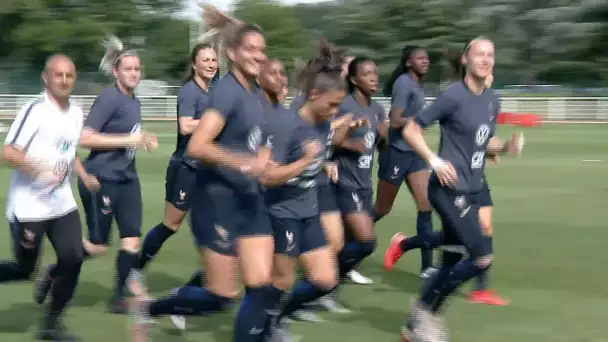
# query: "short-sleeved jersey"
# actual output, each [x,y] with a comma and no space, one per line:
[355,169]
[243,132]
[298,197]
[114,112]
[408,95]
[48,135]
[192,101]
[467,122]
[297,102]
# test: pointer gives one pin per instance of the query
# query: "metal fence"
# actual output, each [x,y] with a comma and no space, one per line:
[583,109]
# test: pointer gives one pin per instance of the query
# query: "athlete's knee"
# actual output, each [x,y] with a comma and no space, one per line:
[70,258]
[283,277]
[484,261]
[131,244]
[326,279]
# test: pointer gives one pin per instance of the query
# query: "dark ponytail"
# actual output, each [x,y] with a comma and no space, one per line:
[400,69]
[328,60]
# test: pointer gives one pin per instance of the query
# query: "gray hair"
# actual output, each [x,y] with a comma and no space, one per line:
[115,51]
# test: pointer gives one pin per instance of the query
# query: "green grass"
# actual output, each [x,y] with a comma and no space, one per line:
[550,229]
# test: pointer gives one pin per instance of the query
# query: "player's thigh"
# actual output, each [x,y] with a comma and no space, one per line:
[179,182]
[460,217]
[128,211]
[356,208]
[418,183]
[66,237]
[317,256]
[99,212]
[484,199]
[221,276]
[255,243]
[331,218]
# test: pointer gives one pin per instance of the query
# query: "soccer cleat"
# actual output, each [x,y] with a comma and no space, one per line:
[428,273]
[179,322]
[280,333]
[53,330]
[304,315]
[394,251]
[43,285]
[358,278]
[488,297]
[330,304]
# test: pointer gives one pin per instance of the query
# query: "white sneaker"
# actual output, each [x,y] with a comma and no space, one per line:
[179,322]
[330,304]
[359,278]
[306,316]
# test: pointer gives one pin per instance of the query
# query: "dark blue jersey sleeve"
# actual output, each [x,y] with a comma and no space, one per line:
[102,111]
[187,101]
[402,91]
[441,109]
[223,100]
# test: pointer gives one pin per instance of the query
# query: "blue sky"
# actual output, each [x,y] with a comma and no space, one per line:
[225,4]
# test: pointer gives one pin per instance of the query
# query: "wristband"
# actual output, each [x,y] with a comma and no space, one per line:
[436,163]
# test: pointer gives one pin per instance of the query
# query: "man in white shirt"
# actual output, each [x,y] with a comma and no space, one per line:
[41,147]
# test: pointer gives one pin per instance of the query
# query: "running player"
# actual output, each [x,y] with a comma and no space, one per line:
[398,163]
[467,113]
[41,146]
[229,218]
[192,100]
[299,140]
[354,157]
[113,132]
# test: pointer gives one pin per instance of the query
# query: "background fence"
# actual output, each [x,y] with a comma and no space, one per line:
[570,109]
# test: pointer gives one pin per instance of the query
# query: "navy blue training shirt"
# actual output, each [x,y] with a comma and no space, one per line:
[192,101]
[467,122]
[243,132]
[408,95]
[113,112]
[296,199]
[297,102]
[355,169]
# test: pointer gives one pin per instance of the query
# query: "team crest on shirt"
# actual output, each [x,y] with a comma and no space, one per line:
[369,139]
[482,134]
[254,139]
[64,145]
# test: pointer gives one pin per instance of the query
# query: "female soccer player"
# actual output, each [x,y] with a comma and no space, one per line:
[299,143]
[354,157]
[398,163]
[467,113]
[229,218]
[113,132]
[192,100]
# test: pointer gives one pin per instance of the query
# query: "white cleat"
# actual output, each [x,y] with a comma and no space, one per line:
[330,304]
[428,273]
[358,278]
[179,322]
[306,316]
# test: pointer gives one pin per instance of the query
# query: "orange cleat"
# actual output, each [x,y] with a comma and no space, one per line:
[394,251]
[488,297]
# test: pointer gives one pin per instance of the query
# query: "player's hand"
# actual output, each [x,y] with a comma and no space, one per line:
[91,182]
[493,159]
[515,145]
[342,121]
[331,169]
[256,166]
[149,141]
[445,171]
[359,123]
[312,150]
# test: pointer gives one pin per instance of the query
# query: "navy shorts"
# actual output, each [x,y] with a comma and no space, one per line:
[459,213]
[179,181]
[293,237]
[220,216]
[115,200]
[484,198]
[395,165]
[355,201]
[327,199]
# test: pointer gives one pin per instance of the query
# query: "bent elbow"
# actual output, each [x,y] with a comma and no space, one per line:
[87,139]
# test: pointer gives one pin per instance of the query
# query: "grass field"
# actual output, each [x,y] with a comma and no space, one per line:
[550,229]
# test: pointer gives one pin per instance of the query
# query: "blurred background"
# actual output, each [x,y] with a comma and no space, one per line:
[543,46]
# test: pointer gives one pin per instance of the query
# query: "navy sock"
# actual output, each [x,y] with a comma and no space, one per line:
[352,254]
[412,242]
[125,261]
[424,228]
[461,273]
[303,292]
[274,296]
[197,279]
[153,242]
[190,300]
[482,281]
[251,318]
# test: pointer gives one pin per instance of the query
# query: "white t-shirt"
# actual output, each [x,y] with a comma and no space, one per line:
[50,136]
